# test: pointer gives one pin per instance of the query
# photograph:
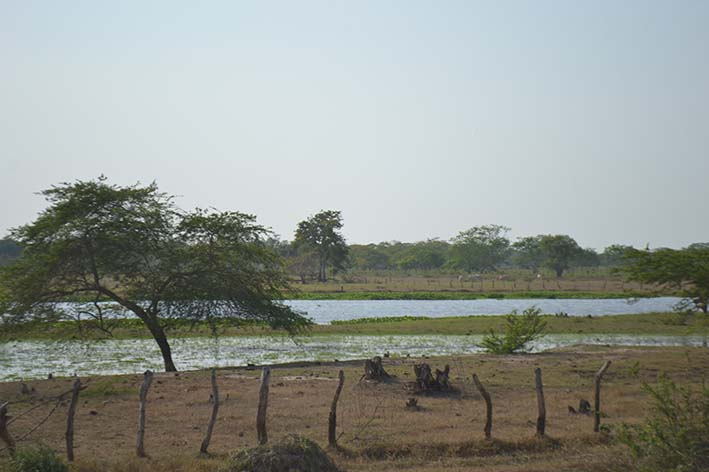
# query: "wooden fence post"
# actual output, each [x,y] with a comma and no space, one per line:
[215,410]
[332,421]
[488,404]
[542,418]
[70,420]
[4,433]
[597,396]
[262,406]
[147,380]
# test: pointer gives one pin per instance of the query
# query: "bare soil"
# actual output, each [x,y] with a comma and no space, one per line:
[377,431]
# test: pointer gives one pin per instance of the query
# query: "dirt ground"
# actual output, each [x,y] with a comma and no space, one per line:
[377,431]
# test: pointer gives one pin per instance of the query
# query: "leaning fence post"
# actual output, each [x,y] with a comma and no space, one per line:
[70,420]
[262,406]
[542,418]
[215,410]
[4,433]
[332,421]
[147,380]
[488,404]
[597,396]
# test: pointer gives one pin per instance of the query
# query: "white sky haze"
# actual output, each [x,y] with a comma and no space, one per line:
[415,119]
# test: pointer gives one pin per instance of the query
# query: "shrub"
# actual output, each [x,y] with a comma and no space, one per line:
[292,453]
[520,331]
[675,438]
[39,458]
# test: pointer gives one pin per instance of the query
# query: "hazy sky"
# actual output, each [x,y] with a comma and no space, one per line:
[415,119]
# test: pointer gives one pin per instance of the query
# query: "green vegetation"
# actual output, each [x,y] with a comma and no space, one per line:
[559,252]
[291,453]
[320,236]
[133,246]
[645,324]
[676,436]
[520,330]
[687,270]
[480,249]
[38,458]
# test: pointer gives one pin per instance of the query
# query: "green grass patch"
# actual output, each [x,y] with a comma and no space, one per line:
[641,324]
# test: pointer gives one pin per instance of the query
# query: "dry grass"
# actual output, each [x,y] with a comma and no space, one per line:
[378,432]
[451,283]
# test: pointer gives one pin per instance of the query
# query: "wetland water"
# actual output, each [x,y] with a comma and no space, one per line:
[325,311]
[35,359]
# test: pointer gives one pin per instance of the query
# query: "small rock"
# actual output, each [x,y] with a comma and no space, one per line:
[93,412]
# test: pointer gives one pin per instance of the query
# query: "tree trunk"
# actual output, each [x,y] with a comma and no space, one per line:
[151,320]
[159,335]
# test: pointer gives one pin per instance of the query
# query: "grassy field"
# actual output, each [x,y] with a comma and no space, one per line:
[437,286]
[650,323]
[378,433]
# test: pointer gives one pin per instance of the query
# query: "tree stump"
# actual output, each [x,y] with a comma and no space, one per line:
[374,370]
[426,382]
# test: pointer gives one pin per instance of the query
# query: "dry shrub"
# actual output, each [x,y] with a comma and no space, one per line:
[291,454]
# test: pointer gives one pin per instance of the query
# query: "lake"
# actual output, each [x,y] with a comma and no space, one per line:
[325,311]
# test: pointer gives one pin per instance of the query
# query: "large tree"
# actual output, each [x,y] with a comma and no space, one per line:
[131,245]
[560,252]
[321,234]
[685,269]
[481,248]
[527,253]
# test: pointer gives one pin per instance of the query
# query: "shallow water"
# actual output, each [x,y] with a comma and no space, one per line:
[326,311]
[22,360]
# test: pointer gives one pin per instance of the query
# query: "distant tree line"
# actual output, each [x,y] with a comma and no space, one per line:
[319,251]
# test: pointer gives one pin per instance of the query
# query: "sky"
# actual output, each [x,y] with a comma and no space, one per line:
[416,119]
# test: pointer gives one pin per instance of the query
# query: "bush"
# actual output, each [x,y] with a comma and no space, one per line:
[39,458]
[676,436]
[520,330]
[290,454]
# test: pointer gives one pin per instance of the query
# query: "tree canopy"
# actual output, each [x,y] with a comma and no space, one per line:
[131,245]
[481,248]
[685,269]
[321,234]
[560,252]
